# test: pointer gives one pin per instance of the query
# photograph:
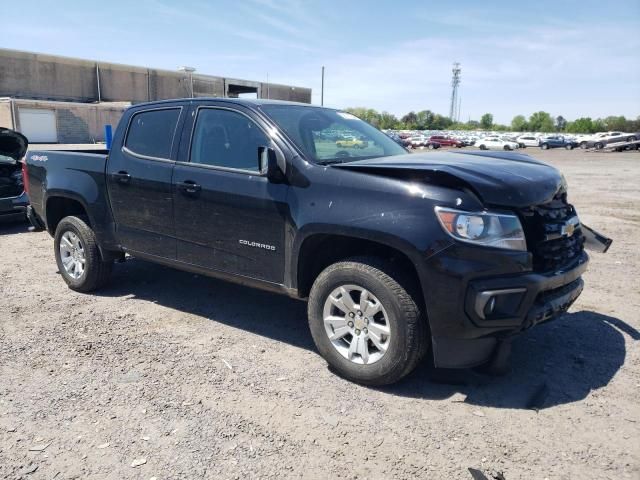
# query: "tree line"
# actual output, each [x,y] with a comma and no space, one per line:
[537,122]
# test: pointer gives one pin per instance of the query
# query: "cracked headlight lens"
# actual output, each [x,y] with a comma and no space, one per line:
[498,230]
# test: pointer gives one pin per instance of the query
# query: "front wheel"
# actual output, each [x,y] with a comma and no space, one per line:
[483,147]
[569,147]
[599,146]
[365,323]
[78,256]
[507,147]
[544,146]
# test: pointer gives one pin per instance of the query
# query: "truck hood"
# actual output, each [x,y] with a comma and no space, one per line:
[12,144]
[498,178]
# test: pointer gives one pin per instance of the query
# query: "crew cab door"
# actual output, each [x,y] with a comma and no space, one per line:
[228,216]
[139,181]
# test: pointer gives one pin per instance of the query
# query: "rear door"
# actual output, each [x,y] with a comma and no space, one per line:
[139,180]
[228,216]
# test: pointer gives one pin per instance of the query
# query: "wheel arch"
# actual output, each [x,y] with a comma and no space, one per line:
[59,205]
[320,249]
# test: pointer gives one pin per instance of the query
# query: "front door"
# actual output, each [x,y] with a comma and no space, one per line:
[139,182]
[228,216]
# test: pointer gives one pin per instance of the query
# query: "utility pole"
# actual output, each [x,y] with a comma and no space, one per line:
[322,89]
[455,83]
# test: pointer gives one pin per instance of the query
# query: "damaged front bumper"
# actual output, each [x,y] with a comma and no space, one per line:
[495,296]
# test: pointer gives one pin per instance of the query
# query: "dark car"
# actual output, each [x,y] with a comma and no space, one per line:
[557,141]
[13,199]
[399,255]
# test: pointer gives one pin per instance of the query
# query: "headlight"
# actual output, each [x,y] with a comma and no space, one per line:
[488,229]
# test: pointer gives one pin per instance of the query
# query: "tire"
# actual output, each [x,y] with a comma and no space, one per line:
[599,146]
[583,145]
[431,146]
[569,147]
[406,343]
[96,271]
[544,146]
[483,147]
[631,139]
[506,147]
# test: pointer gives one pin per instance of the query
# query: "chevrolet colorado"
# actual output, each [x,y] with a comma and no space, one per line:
[399,255]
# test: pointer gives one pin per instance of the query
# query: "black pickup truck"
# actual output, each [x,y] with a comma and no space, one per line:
[398,254]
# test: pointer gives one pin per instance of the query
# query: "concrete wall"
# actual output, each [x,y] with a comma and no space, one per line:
[75,122]
[49,77]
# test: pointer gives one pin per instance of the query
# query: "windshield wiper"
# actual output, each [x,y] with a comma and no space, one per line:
[331,162]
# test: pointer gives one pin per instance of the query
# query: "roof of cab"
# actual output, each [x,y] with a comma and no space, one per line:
[255,102]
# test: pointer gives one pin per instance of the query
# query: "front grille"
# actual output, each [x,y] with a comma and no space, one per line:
[547,239]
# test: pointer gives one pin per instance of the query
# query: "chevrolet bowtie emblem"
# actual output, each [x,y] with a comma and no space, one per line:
[570,226]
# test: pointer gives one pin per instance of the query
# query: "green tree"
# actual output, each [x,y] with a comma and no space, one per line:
[561,123]
[388,120]
[581,125]
[615,123]
[440,122]
[541,122]
[425,119]
[486,121]
[410,121]
[519,124]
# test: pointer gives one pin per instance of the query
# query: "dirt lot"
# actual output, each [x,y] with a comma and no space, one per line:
[196,378]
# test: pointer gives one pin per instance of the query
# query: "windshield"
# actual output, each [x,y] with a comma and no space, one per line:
[330,136]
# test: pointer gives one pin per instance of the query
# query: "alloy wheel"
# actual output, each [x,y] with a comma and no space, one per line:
[72,255]
[357,324]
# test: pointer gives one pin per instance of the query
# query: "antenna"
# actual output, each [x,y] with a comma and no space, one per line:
[454,110]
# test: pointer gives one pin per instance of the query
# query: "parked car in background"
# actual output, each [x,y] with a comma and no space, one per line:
[13,199]
[611,137]
[351,142]
[446,141]
[399,140]
[528,141]
[496,143]
[557,141]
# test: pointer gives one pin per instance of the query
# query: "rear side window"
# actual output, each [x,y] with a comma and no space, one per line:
[151,133]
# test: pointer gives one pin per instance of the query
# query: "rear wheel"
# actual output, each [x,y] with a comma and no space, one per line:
[365,323]
[631,139]
[507,147]
[78,256]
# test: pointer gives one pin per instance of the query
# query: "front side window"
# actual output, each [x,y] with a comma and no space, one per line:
[228,139]
[331,136]
[151,132]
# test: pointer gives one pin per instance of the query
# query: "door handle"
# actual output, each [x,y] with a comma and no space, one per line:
[122,177]
[189,186]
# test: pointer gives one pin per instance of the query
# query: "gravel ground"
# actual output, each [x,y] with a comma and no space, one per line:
[169,375]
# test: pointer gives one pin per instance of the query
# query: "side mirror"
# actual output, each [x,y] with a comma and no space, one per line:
[272,164]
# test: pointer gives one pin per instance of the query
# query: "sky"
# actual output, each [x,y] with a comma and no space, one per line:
[573,58]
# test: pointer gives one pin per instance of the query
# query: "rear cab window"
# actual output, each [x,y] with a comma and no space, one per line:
[151,132]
